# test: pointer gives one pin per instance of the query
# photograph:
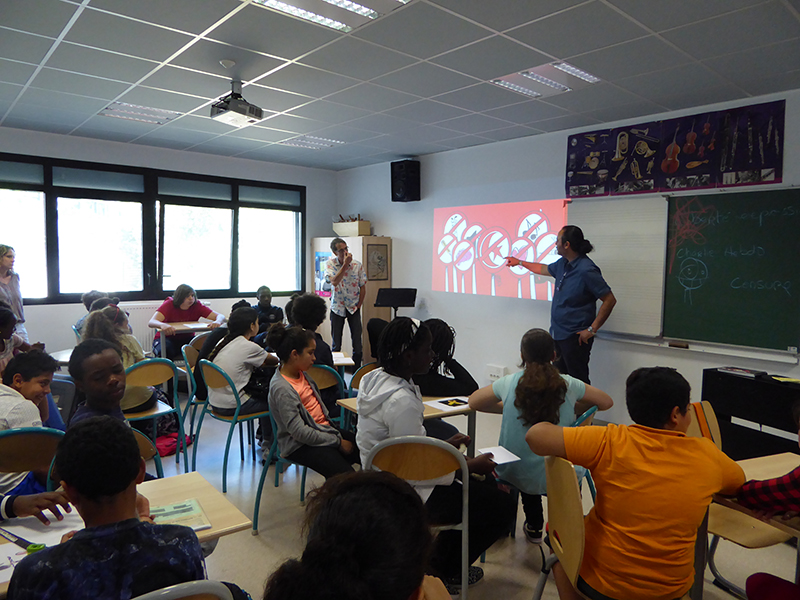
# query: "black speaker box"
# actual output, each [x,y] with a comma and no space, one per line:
[405,181]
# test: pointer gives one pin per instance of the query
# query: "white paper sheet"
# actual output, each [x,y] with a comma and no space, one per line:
[10,555]
[501,455]
[33,530]
[449,404]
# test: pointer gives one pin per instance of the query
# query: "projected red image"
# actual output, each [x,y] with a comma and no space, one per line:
[471,243]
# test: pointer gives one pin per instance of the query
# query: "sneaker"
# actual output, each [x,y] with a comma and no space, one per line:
[453,584]
[534,536]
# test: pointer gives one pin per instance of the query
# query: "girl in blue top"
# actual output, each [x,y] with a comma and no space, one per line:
[537,393]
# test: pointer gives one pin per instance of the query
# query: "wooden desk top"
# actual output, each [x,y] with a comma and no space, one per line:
[767,467]
[430,411]
[191,326]
[62,356]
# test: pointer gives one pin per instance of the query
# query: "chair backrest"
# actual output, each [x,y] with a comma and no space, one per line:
[416,457]
[63,390]
[190,354]
[704,422]
[151,371]
[146,447]
[77,333]
[216,377]
[586,418]
[565,515]
[198,340]
[325,378]
[191,590]
[28,449]
[358,375]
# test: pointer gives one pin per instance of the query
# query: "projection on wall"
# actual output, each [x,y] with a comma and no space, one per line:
[471,243]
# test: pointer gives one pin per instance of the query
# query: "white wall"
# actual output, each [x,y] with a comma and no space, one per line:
[489,328]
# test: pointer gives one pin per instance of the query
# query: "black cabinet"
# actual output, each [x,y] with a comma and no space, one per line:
[760,401]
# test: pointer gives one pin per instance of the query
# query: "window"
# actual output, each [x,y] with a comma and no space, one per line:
[23,228]
[269,253]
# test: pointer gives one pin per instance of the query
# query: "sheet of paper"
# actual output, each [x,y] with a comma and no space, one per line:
[501,455]
[337,355]
[449,404]
[196,325]
[10,555]
[33,530]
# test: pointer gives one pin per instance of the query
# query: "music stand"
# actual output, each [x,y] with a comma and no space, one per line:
[396,298]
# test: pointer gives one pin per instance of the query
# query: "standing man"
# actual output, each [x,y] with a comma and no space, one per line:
[347,278]
[574,318]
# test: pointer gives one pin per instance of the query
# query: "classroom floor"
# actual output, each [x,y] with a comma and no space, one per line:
[511,568]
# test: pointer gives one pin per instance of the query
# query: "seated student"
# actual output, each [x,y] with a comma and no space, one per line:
[96,368]
[31,374]
[654,485]
[182,306]
[10,342]
[268,314]
[88,298]
[367,538]
[309,311]
[289,318]
[305,433]
[117,555]
[390,405]
[538,393]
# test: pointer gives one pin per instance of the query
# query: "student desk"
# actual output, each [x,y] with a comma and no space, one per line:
[225,518]
[349,404]
[762,467]
[187,327]
[62,356]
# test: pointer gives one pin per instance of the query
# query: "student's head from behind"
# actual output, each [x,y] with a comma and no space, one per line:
[97,460]
[106,323]
[264,296]
[88,297]
[444,340]
[404,348]
[242,321]
[658,397]
[240,304]
[540,390]
[288,308]
[367,538]
[184,297]
[309,311]
[31,373]
[292,344]
[96,367]
[7,323]
[102,302]
[537,346]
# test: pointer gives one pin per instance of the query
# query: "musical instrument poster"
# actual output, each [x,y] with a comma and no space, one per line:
[734,147]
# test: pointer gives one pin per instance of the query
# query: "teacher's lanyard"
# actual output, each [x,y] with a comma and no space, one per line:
[567,269]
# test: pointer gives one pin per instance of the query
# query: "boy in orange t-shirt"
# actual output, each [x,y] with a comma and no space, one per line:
[654,485]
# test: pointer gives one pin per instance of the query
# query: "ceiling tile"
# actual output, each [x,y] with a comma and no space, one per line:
[417,29]
[405,146]
[45,17]
[426,111]
[264,134]
[481,97]
[345,133]
[15,72]
[23,46]
[182,137]
[67,119]
[273,100]
[188,82]
[380,123]
[425,79]
[772,84]
[294,124]
[474,124]
[268,31]
[37,124]
[355,58]
[510,133]
[199,122]
[206,54]
[527,112]
[429,133]
[654,86]
[566,122]
[8,93]
[308,81]
[228,146]
[660,16]
[49,99]
[465,141]
[144,96]
[116,130]
[503,14]
[592,97]
[581,29]
[160,142]
[186,15]
[734,32]
[100,63]
[635,110]
[492,58]
[758,63]
[632,58]
[109,32]
[52,79]
[372,97]
[329,112]
[698,98]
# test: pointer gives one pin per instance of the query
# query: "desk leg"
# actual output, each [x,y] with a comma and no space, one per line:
[700,559]
[471,418]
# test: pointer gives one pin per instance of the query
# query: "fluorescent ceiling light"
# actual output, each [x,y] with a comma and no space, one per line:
[305,14]
[356,8]
[516,88]
[576,72]
[144,114]
[311,142]
[545,81]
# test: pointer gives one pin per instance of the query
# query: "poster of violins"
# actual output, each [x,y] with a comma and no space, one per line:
[734,147]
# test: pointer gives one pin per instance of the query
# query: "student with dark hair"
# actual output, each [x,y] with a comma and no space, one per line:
[87,298]
[30,374]
[654,485]
[96,368]
[182,306]
[390,405]
[574,317]
[268,314]
[116,555]
[305,432]
[538,393]
[11,342]
[289,318]
[367,537]
[309,311]
[446,376]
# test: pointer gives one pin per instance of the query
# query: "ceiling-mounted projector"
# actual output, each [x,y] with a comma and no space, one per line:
[235,110]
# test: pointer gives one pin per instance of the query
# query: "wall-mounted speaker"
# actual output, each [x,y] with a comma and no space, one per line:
[405,181]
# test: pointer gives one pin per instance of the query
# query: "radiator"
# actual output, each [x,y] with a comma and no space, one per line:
[139,314]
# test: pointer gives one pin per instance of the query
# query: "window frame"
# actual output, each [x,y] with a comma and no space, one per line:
[152,248]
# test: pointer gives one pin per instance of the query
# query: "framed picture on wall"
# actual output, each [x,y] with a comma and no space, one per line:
[377,262]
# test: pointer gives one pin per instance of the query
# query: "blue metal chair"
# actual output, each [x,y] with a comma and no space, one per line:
[325,377]
[148,451]
[190,354]
[29,449]
[216,377]
[151,372]
[77,333]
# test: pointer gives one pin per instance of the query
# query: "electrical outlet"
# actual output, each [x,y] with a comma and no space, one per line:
[495,372]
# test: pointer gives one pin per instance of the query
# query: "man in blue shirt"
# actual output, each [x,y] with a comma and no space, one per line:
[574,317]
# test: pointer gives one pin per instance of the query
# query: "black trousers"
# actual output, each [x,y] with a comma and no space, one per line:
[573,357]
[337,329]
[532,507]
[327,460]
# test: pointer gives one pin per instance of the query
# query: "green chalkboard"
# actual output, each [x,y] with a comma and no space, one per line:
[733,269]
